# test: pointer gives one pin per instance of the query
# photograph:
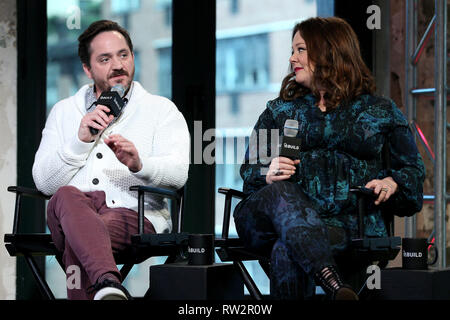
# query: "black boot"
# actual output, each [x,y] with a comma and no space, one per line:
[331,282]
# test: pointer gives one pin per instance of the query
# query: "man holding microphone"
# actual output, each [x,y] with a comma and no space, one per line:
[89,157]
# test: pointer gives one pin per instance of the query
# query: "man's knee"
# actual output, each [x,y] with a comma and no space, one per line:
[61,196]
[65,192]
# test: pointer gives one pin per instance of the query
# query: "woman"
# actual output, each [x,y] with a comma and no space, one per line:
[301,211]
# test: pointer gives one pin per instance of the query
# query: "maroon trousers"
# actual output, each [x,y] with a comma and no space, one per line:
[88,233]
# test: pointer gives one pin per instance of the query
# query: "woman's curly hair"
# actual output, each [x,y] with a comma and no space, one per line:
[334,54]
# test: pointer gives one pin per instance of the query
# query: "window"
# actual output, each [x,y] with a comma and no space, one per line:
[242,64]
[234,6]
[164,74]
[166,7]
[124,6]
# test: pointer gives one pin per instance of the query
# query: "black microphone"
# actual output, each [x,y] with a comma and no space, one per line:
[113,100]
[290,145]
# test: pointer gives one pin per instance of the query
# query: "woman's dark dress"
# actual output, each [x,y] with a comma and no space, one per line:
[314,213]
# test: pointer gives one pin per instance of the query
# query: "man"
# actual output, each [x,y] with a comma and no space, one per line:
[92,213]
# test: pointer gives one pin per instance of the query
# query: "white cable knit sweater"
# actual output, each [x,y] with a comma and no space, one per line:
[152,123]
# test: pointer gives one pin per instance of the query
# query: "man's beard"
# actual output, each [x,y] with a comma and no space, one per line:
[105,86]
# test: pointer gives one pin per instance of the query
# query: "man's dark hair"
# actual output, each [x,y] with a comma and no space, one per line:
[84,40]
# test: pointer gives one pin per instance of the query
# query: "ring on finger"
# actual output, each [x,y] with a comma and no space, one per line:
[385,189]
[278,172]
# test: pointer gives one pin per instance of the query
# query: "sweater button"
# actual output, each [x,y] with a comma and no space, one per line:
[95,181]
[99,155]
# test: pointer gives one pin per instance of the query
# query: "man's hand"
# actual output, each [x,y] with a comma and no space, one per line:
[96,119]
[125,151]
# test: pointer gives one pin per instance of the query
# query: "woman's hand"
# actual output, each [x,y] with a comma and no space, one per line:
[385,188]
[281,168]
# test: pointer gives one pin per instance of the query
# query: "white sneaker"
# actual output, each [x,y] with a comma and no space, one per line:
[110,290]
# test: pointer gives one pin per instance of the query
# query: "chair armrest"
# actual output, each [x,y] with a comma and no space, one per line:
[23,191]
[363,194]
[229,194]
[165,193]
[29,192]
[160,239]
[232,192]
[359,190]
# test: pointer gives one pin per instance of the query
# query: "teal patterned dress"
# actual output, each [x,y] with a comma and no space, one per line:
[341,149]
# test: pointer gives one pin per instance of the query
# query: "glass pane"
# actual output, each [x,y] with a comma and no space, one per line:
[67,19]
[252,57]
